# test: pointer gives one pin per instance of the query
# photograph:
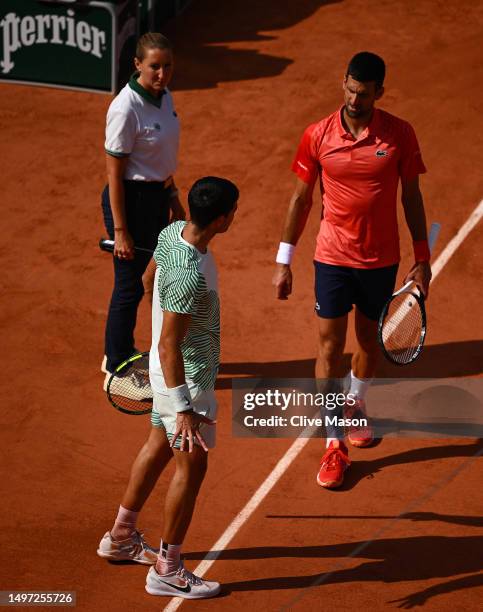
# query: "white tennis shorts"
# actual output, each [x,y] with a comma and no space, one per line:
[203,401]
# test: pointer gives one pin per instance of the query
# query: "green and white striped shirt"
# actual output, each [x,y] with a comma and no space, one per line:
[186,282]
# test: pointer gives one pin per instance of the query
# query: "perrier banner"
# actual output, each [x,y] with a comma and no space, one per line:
[71,44]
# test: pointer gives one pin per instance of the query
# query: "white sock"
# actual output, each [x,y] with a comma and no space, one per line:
[359,386]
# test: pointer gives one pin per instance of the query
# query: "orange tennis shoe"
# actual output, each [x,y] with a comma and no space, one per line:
[359,434]
[333,465]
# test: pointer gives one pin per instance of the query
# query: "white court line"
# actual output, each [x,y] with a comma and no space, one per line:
[453,244]
[292,453]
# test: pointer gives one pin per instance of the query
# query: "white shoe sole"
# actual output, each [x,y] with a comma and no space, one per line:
[173,592]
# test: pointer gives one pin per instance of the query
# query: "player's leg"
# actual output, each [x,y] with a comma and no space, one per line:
[124,541]
[189,474]
[330,348]
[363,368]
[169,576]
[334,295]
[148,465]
[374,288]
[333,302]
[182,493]
[364,360]
[146,469]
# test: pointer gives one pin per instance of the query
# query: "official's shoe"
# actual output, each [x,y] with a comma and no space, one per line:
[359,435]
[131,549]
[180,583]
[333,465]
[135,386]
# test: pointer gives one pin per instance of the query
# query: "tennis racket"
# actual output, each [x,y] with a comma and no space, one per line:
[129,389]
[402,324]
[108,245]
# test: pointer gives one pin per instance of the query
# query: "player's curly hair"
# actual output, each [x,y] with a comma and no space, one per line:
[151,40]
[211,197]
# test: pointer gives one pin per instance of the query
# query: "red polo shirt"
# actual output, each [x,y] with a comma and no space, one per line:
[359,180]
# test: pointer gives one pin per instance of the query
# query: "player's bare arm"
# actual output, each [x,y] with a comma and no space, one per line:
[174,330]
[175,327]
[412,200]
[295,220]
[123,243]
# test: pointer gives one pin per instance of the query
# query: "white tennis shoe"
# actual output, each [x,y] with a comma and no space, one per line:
[180,583]
[132,549]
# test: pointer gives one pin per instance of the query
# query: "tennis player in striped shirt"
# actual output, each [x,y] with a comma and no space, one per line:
[183,365]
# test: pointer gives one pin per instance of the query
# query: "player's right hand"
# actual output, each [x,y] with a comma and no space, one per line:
[282,281]
[123,245]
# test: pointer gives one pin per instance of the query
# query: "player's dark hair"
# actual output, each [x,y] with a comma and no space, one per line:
[211,197]
[151,40]
[366,66]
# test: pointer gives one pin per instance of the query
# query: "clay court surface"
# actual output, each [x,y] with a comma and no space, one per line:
[406,528]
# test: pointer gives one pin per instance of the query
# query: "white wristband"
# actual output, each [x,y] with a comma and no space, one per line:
[285,253]
[180,398]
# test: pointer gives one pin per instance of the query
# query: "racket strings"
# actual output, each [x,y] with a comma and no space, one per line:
[403,328]
[130,389]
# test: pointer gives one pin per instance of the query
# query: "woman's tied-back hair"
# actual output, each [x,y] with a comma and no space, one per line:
[151,40]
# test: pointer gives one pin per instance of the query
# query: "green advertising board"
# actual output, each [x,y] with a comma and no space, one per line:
[75,45]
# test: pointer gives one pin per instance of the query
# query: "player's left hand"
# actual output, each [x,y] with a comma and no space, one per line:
[420,274]
[177,211]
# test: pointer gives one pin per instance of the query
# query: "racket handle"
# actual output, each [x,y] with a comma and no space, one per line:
[403,288]
[108,245]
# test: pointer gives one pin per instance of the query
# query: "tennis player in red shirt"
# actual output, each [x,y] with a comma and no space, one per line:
[358,154]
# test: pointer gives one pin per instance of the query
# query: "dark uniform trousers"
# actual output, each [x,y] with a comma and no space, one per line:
[147,213]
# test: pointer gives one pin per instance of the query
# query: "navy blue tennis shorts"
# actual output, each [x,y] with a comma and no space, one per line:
[338,289]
